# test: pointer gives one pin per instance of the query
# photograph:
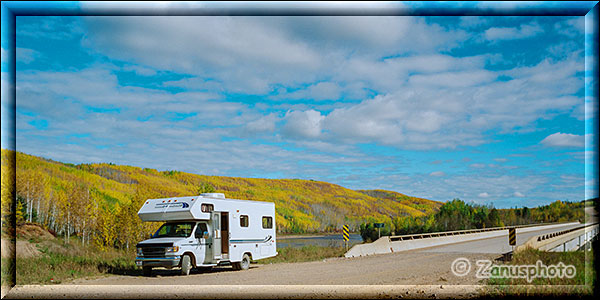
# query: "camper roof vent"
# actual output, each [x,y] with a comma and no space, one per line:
[213,195]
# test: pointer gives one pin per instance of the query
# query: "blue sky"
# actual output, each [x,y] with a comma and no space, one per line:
[485,109]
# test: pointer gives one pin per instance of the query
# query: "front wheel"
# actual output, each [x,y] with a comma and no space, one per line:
[186,265]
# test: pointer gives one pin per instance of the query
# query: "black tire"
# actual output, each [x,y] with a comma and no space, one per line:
[147,271]
[245,263]
[186,264]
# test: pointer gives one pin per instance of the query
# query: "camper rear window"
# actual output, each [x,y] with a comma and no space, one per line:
[267,222]
[207,207]
[244,221]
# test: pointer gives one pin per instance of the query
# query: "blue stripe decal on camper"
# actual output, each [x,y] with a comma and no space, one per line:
[268,238]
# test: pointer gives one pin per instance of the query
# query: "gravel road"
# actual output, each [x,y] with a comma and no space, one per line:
[413,274]
[405,268]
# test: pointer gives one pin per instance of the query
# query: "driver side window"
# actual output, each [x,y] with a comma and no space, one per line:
[201,229]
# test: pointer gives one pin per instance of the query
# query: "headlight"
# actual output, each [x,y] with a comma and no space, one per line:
[173,249]
[139,252]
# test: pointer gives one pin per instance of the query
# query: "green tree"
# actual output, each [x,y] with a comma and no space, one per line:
[206,188]
[369,233]
[454,215]
[493,219]
[21,213]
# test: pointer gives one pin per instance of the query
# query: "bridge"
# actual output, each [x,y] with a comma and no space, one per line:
[489,240]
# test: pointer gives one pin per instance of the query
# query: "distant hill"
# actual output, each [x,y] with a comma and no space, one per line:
[301,205]
[415,206]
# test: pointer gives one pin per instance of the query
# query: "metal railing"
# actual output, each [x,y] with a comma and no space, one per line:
[395,238]
[554,240]
[558,233]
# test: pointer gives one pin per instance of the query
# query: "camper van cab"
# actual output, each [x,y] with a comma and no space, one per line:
[206,231]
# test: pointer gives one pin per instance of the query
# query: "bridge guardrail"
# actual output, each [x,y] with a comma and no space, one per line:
[389,244]
[395,238]
[551,240]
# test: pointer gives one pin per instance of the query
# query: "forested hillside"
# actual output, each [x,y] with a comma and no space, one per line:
[458,215]
[99,202]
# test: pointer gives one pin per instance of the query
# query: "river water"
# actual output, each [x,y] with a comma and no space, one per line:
[334,240]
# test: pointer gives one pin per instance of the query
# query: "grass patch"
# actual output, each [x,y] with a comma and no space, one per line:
[8,268]
[60,262]
[305,253]
[582,261]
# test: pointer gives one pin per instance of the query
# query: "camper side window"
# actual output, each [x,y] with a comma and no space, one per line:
[207,207]
[244,221]
[267,222]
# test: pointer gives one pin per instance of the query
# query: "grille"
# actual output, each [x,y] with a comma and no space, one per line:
[153,251]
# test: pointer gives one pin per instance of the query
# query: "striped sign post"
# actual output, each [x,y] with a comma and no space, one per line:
[346,235]
[512,236]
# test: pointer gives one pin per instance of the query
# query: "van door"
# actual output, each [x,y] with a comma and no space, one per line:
[203,251]
[216,244]
[225,235]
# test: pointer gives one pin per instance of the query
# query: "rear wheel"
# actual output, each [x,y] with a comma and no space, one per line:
[186,265]
[244,264]
[147,271]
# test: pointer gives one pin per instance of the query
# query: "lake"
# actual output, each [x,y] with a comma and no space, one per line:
[324,240]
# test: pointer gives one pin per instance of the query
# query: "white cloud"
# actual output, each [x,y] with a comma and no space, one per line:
[513,33]
[564,140]
[139,70]
[437,174]
[473,21]
[425,115]
[454,79]
[426,100]
[571,27]
[261,54]
[318,91]
[26,55]
[483,195]
[195,83]
[263,124]
[267,51]
[306,124]
[517,194]
[501,159]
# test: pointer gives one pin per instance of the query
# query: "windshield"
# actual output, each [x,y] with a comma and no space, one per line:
[183,229]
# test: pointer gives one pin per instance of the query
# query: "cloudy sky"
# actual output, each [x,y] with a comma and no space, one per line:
[485,109]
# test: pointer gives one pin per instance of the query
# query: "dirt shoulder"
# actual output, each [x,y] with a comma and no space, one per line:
[25,249]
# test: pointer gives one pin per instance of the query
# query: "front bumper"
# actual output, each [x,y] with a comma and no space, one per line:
[167,262]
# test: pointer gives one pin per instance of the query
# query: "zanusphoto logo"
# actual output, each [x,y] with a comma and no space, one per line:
[487,269]
[173,204]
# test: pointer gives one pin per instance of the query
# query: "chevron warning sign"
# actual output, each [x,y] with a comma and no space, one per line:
[512,236]
[345,233]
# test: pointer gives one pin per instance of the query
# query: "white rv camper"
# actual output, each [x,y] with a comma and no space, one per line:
[205,231]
